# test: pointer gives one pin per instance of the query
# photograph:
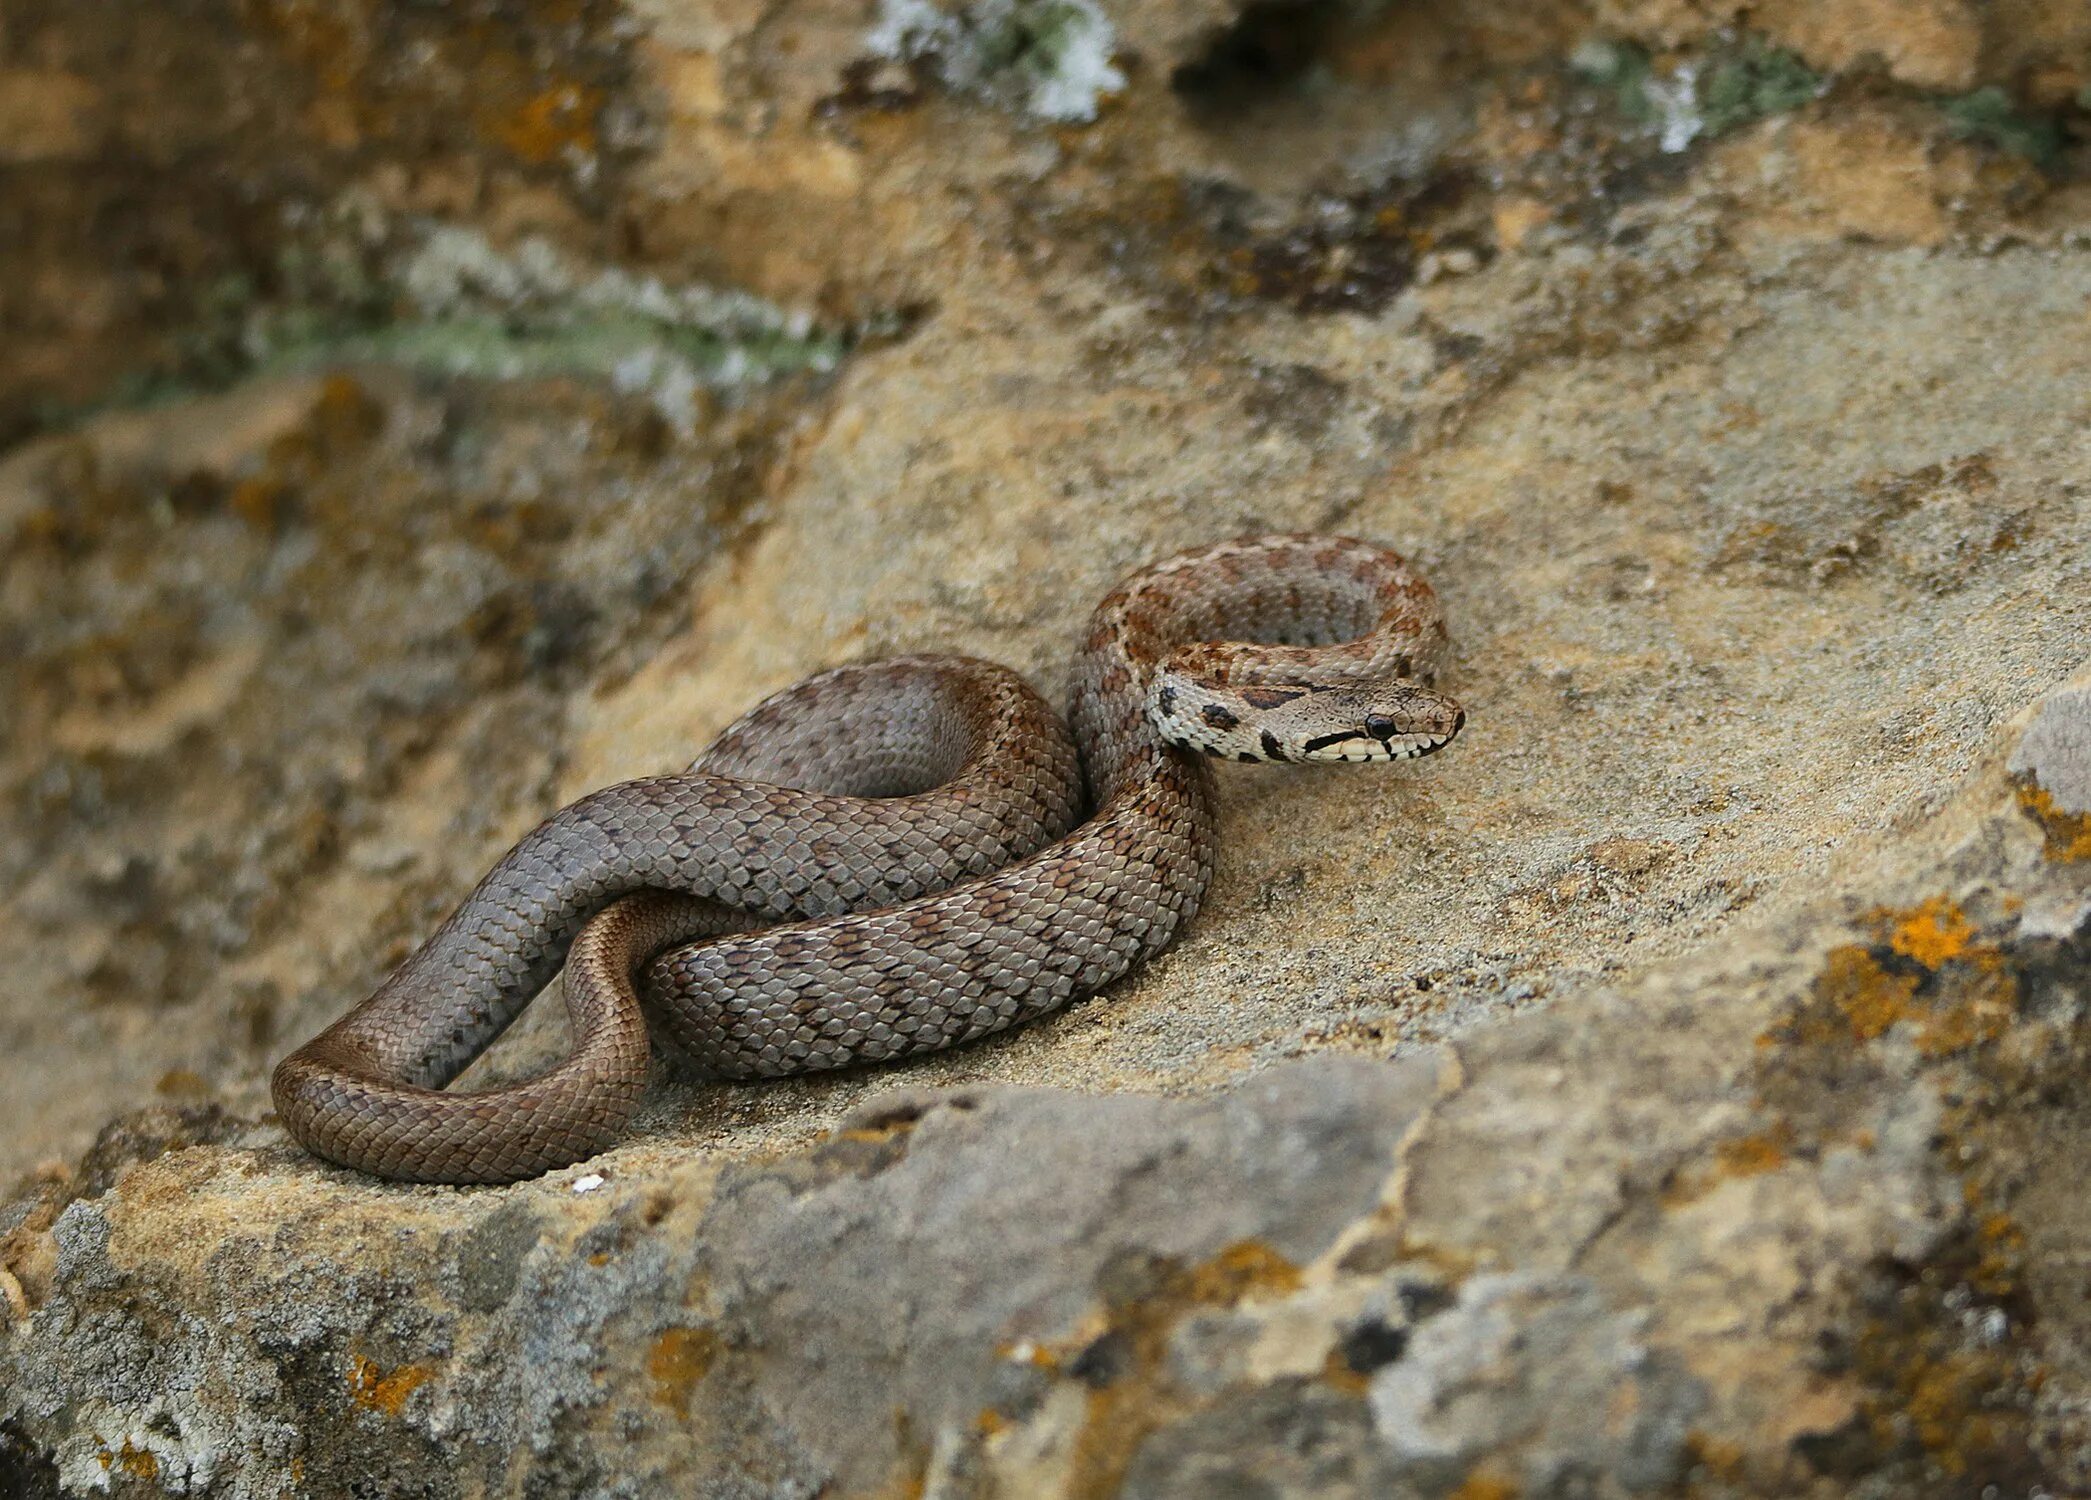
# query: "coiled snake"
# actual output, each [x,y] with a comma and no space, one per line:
[913,825]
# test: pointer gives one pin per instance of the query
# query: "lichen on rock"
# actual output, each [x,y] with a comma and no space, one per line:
[1051,58]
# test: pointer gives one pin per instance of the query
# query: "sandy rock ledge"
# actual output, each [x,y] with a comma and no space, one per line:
[1784,1222]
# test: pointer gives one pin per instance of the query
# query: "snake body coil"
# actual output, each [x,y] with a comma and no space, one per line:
[912,824]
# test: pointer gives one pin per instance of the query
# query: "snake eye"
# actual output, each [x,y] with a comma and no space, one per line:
[1381,726]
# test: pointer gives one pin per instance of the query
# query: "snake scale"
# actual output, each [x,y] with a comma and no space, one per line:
[885,859]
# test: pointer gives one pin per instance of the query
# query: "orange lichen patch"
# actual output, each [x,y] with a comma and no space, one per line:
[1980,1012]
[1761,1151]
[1932,934]
[1868,997]
[1999,1248]
[1944,1404]
[1123,1358]
[1928,968]
[1765,1151]
[990,1422]
[680,1358]
[533,81]
[1940,1372]
[2068,834]
[1973,1009]
[549,124]
[372,1389]
[1242,1272]
[1485,1483]
[137,1462]
[1514,219]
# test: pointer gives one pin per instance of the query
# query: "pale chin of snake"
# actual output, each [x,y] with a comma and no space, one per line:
[886,859]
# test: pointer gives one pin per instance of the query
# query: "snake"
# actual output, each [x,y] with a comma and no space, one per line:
[888,858]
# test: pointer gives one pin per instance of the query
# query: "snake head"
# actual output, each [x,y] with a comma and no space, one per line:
[1396,719]
[1388,721]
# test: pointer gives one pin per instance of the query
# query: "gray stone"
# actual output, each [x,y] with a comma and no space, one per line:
[2055,749]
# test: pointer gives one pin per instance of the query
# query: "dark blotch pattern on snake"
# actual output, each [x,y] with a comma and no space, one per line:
[885,859]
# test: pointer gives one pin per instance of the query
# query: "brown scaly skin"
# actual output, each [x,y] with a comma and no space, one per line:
[1010,930]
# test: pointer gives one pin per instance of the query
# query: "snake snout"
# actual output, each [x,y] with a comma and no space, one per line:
[1404,721]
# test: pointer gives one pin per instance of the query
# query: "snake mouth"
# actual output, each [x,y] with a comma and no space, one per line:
[1363,748]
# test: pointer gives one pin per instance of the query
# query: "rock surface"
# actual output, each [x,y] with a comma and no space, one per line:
[1673,1089]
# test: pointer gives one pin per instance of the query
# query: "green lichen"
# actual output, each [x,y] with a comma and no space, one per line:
[443,300]
[627,351]
[1988,115]
[1033,39]
[1743,80]
[1755,81]
[1625,68]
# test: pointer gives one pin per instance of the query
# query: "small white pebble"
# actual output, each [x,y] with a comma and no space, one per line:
[589,1183]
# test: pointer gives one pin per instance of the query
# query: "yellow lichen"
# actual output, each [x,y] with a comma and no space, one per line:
[1761,1151]
[1765,1151]
[1138,1396]
[680,1358]
[374,1390]
[1242,1271]
[1933,933]
[2068,834]
[1982,1010]
[1869,997]
[138,1462]
[550,123]
[1485,1483]
[2000,1250]
[871,1135]
[1973,1003]
[1943,1399]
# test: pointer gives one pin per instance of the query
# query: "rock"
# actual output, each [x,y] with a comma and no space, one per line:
[1660,1092]
[2053,763]
[2055,750]
[1936,44]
